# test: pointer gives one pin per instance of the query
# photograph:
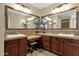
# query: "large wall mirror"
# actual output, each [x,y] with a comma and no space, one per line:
[62,20]
[19,20]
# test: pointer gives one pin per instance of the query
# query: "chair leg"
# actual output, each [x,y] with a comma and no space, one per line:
[31,50]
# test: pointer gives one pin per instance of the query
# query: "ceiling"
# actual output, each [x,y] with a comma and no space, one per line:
[43,5]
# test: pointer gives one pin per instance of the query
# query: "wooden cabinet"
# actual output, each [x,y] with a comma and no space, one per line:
[46,45]
[54,44]
[64,46]
[61,46]
[15,47]
[11,48]
[22,47]
[72,48]
[45,42]
[46,38]
[57,45]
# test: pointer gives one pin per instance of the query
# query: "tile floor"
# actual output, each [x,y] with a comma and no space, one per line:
[41,52]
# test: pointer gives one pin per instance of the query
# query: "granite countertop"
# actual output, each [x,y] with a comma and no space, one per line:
[61,36]
[9,37]
[38,35]
[29,37]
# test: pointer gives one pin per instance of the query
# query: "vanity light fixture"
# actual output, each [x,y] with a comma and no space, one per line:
[27,10]
[31,18]
[61,8]
[23,8]
[17,7]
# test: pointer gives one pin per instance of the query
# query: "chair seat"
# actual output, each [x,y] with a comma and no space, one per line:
[32,46]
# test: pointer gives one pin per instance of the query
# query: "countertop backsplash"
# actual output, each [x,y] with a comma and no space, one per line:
[32,32]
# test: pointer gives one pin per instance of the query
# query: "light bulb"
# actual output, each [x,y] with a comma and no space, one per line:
[53,11]
[57,10]
[21,8]
[62,8]
[67,6]
[28,10]
[30,18]
[17,7]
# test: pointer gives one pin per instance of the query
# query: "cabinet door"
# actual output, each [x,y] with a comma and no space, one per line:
[57,45]
[54,44]
[23,46]
[60,46]
[45,41]
[71,49]
[11,48]
[46,45]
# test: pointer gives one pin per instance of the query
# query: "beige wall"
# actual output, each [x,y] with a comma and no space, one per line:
[47,10]
[1,29]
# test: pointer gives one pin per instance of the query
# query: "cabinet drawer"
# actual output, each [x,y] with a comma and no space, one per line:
[23,40]
[74,41]
[46,38]
[11,42]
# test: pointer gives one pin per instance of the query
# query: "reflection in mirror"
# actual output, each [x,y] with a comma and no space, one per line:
[20,20]
[63,20]
[46,23]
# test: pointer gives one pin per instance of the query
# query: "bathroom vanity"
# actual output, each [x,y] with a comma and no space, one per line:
[61,45]
[15,46]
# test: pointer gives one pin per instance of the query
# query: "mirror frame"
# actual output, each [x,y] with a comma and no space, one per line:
[65,28]
[6,18]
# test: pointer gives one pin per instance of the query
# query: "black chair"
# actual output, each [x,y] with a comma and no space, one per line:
[33,46]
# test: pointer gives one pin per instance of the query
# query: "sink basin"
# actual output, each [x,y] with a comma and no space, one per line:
[66,34]
[15,35]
